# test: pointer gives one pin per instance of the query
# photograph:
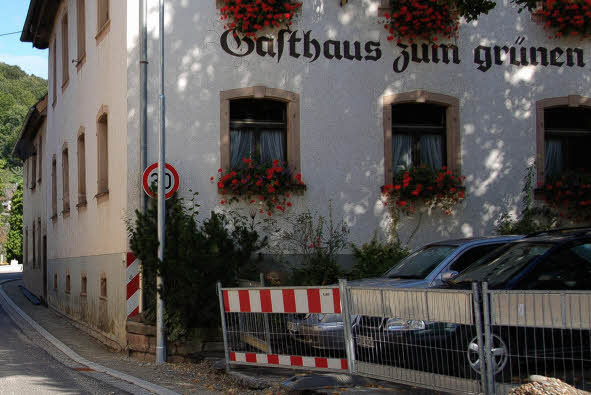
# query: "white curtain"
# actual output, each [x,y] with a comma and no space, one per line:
[554,158]
[241,146]
[402,152]
[432,150]
[272,145]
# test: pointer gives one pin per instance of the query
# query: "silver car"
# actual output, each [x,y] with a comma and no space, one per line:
[426,267]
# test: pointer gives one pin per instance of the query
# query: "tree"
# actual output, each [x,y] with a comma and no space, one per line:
[14,245]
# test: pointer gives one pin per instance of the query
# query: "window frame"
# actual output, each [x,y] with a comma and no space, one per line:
[81,165]
[65,51]
[102,146]
[452,127]
[80,33]
[54,188]
[541,106]
[102,26]
[292,101]
[65,179]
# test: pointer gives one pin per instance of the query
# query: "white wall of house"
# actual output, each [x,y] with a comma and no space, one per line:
[342,138]
[91,239]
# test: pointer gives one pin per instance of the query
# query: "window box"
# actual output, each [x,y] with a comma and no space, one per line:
[249,18]
[424,186]
[569,193]
[266,186]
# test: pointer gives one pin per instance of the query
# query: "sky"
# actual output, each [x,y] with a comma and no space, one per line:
[12,50]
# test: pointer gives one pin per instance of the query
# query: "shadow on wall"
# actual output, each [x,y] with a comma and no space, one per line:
[497,111]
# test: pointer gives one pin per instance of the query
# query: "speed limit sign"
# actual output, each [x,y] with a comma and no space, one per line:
[171,180]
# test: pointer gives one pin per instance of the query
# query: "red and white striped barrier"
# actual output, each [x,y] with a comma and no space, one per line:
[133,285]
[289,360]
[310,300]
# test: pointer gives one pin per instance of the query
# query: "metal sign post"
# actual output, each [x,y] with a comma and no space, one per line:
[160,336]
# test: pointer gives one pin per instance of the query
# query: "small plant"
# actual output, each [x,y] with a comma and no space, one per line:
[431,20]
[564,17]
[531,219]
[316,241]
[375,258]
[249,17]
[267,187]
[425,186]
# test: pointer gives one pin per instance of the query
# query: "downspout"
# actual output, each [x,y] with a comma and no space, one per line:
[143,114]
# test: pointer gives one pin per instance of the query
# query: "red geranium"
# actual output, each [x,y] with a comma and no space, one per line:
[250,16]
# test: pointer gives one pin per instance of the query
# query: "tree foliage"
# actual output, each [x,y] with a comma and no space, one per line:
[14,244]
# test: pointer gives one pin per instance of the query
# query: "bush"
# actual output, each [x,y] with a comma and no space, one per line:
[374,258]
[14,243]
[196,257]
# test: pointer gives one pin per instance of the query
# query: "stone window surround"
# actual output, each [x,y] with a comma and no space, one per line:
[83,284]
[102,126]
[103,286]
[68,281]
[541,105]
[65,51]
[102,28]
[54,188]
[81,166]
[262,92]
[80,33]
[452,131]
[65,180]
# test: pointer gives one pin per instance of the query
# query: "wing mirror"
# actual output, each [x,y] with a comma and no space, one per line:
[448,276]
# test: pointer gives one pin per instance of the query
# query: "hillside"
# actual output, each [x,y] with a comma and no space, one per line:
[18,92]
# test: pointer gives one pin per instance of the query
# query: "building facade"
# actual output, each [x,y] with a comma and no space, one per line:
[343,105]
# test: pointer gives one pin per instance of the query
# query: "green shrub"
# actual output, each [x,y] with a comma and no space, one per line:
[374,258]
[196,256]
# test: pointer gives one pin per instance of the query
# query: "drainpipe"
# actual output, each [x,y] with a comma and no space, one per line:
[143,113]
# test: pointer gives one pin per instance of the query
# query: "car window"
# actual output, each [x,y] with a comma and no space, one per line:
[566,269]
[512,260]
[421,263]
[471,256]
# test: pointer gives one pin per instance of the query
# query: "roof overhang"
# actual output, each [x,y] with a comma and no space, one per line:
[35,117]
[39,22]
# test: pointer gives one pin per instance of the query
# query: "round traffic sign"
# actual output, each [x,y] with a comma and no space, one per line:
[171,179]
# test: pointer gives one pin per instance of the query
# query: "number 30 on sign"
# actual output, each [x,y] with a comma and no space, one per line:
[171,180]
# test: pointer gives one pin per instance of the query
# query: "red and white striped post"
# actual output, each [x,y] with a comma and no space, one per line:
[132,275]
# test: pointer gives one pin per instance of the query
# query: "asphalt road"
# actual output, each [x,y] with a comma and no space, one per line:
[26,366]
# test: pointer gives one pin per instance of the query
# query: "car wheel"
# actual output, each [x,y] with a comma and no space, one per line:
[499,350]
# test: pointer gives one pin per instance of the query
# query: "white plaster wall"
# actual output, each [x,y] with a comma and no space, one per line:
[34,209]
[341,115]
[99,228]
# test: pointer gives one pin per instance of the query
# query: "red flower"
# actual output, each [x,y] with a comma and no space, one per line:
[210,178]
[221,185]
[223,202]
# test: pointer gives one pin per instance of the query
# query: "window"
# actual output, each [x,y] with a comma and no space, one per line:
[39,246]
[40,172]
[54,72]
[563,132]
[33,239]
[81,151]
[65,180]
[566,269]
[258,130]
[33,170]
[261,123]
[55,281]
[471,256]
[103,152]
[53,188]
[68,284]
[81,31]
[26,247]
[83,284]
[420,128]
[103,286]
[65,55]
[103,14]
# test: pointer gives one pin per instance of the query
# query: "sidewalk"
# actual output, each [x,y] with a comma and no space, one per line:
[181,378]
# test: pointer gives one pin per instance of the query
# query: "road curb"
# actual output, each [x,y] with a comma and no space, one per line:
[77,358]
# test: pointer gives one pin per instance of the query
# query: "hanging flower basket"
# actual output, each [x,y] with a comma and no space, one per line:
[249,17]
[570,193]
[423,186]
[562,17]
[267,188]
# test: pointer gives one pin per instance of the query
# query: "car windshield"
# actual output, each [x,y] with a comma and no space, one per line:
[496,272]
[422,262]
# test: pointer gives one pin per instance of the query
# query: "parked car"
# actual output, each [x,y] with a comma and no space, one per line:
[426,267]
[550,261]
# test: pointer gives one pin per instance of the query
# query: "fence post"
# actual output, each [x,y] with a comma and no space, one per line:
[490,374]
[224,328]
[266,319]
[479,335]
[349,344]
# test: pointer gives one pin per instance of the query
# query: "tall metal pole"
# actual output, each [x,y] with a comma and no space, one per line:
[143,116]
[160,339]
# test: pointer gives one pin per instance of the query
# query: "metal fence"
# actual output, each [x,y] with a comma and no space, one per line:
[424,337]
